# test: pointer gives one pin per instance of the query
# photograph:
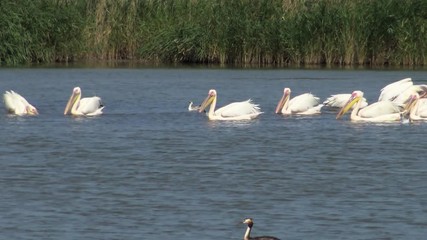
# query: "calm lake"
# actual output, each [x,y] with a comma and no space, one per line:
[149,169]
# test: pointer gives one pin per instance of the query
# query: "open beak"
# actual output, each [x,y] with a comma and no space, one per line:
[208,100]
[282,102]
[70,103]
[351,101]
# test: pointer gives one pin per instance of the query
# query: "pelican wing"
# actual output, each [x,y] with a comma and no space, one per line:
[90,106]
[238,109]
[303,102]
[20,98]
[392,90]
[339,100]
[378,109]
[11,105]
[404,95]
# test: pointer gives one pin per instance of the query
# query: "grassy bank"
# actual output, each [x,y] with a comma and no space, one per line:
[280,32]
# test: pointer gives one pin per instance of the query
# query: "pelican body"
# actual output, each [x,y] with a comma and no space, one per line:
[244,110]
[18,105]
[416,106]
[304,104]
[247,235]
[383,111]
[78,106]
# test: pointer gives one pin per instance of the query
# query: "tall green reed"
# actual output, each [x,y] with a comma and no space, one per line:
[280,32]
[38,31]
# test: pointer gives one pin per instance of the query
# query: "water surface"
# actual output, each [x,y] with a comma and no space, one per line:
[149,169]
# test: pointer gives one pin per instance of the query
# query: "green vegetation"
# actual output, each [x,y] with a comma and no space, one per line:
[280,32]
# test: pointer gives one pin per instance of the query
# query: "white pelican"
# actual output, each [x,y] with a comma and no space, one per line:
[304,104]
[339,100]
[383,111]
[398,92]
[78,106]
[403,96]
[18,105]
[245,110]
[416,106]
[247,235]
[392,90]
[192,108]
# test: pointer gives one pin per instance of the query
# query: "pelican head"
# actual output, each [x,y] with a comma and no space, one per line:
[421,90]
[208,100]
[410,102]
[283,100]
[75,96]
[354,98]
[31,110]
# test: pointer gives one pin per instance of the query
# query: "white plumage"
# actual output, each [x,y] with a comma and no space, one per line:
[417,108]
[192,108]
[244,110]
[16,104]
[304,104]
[90,106]
[384,111]
[398,92]
[339,100]
[392,90]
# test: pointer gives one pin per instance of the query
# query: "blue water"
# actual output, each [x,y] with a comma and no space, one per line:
[149,169]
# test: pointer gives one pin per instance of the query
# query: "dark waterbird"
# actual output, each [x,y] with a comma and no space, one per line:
[247,235]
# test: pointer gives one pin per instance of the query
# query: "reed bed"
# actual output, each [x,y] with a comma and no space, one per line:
[278,32]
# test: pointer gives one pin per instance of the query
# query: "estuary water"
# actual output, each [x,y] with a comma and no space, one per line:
[149,169]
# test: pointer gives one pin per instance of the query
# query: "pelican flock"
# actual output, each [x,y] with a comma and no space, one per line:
[397,100]
[78,106]
[245,110]
[18,105]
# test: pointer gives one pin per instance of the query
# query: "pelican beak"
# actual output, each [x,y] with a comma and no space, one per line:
[70,103]
[35,112]
[409,103]
[351,101]
[282,102]
[208,100]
